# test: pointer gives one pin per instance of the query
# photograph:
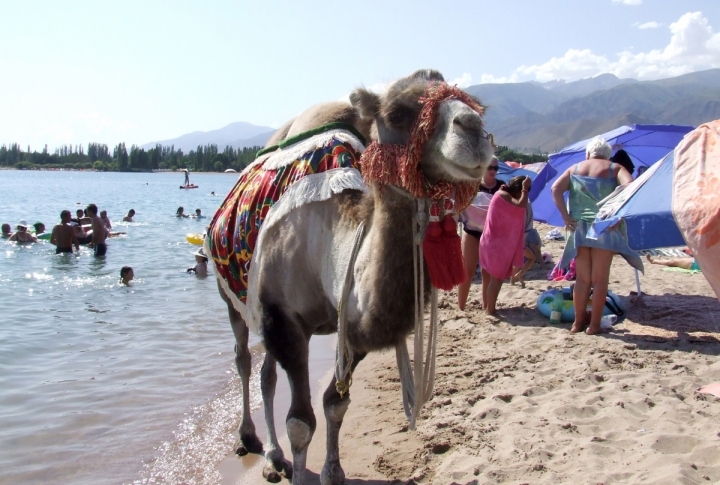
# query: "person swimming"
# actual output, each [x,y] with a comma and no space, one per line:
[126,275]
[22,235]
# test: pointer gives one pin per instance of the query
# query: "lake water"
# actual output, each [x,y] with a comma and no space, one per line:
[102,383]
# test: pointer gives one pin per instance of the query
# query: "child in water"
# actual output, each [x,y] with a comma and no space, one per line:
[126,275]
[200,269]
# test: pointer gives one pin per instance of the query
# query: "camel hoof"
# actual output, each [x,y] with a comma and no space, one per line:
[332,474]
[249,444]
[278,465]
[271,475]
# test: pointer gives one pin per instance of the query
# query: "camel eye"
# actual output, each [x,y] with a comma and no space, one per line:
[400,116]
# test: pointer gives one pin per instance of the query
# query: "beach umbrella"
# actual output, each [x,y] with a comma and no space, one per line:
[507,172]
[675,203]
[645,144]
[646,207]
[696,197]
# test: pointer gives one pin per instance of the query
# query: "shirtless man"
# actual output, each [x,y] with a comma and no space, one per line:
[6,231]
[129,216]
[98,231]
[63,235]
[22,235]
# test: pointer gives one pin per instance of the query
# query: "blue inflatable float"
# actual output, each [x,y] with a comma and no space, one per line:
[568,311]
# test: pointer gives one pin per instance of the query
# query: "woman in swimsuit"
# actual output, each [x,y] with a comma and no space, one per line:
[589,182]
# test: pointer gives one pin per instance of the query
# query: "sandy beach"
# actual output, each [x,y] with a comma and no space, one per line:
[518,400]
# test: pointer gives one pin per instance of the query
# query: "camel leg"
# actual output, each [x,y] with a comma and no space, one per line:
[276,465]
[287,342]
[249,442]
[335,407]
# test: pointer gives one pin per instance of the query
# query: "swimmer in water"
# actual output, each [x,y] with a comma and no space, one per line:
[126,275]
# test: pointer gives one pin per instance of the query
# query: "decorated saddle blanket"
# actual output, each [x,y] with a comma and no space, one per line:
[235,228]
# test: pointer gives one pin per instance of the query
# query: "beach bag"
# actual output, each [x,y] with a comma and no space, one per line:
[612,306]
[612,302]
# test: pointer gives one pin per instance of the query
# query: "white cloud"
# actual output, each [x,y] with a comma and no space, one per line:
[648,25]
[628,2]
[463,81]
[693,46]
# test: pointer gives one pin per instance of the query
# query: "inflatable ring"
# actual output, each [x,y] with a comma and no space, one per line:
[568,312]
[196,239]
[44,236]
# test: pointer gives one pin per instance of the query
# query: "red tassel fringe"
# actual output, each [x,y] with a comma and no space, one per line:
[399,165]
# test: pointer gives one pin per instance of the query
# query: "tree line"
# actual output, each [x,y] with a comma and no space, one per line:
[509,155]
[205,158]
[98,156]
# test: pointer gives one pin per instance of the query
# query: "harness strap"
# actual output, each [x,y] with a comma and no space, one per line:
[343,354]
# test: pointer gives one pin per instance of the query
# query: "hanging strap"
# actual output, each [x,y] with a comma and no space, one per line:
[343,354]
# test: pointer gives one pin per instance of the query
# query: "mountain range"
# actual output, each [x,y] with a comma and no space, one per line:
[237,135]
[545,117]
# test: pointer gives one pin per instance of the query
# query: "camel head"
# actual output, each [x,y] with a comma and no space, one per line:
[458,150]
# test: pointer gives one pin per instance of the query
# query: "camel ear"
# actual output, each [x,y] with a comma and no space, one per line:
[366,102]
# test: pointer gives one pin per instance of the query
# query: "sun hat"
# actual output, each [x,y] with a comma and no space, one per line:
[22,223]
[201,252]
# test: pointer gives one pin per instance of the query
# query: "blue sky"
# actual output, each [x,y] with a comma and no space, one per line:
[74,72]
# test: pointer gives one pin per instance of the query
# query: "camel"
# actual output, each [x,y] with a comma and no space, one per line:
[303,260]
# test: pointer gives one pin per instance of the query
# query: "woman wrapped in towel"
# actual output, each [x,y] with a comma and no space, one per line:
[503,240]
[588,183]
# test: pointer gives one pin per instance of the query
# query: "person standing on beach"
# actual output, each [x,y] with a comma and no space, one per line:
[63,235]
[98,231]
[473,222]
[503,239]
[129,216]
[588,183]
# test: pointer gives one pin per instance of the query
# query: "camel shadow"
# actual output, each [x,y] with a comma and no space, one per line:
[670,321]
[312,478]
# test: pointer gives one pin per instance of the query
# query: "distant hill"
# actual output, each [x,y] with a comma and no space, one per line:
[547,117]
[238,135]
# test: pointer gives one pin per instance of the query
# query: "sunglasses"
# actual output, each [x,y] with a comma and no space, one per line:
[493,167]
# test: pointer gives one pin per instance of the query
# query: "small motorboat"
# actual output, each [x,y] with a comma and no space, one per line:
[191,186]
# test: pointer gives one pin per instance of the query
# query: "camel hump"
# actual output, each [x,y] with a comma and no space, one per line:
[320,115]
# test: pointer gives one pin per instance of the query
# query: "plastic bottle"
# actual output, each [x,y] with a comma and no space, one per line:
[606,322]
[556,307]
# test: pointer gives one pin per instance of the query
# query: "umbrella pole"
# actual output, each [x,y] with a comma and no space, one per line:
[637,282]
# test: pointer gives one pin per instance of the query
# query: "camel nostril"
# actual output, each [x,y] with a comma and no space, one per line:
[467,126]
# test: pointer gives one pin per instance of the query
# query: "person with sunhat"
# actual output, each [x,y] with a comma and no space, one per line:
[22,235]
[200,269]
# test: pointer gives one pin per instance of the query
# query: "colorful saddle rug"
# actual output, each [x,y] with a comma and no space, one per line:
[234,230]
